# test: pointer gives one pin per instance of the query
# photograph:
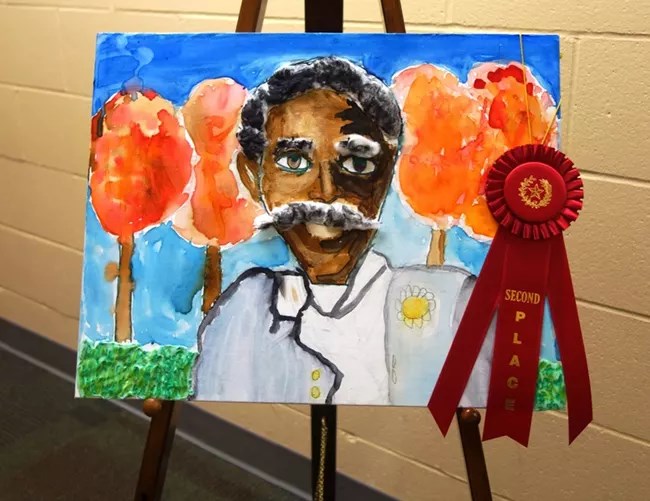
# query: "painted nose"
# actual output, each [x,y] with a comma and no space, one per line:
[324,189]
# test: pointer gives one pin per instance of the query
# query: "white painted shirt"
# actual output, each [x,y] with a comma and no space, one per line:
[346,325]
[275,337]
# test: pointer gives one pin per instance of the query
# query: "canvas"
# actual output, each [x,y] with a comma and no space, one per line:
[299,217]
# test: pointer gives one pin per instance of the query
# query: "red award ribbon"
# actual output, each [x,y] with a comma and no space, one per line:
[534,192]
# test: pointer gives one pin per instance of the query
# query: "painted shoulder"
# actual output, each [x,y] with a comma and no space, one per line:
[441,271]
[256,286]
[448,281]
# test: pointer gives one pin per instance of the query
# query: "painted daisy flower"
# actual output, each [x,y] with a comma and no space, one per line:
[415,306]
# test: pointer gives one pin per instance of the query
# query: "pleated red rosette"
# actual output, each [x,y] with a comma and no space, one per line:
[534,192]
[534,217]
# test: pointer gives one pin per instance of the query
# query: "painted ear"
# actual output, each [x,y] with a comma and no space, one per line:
[249,173]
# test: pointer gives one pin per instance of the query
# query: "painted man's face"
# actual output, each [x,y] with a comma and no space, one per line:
[323,148]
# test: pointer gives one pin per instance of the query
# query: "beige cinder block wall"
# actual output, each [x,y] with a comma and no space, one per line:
[46,60]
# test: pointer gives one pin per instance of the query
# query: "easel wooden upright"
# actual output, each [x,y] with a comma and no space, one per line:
[320,16]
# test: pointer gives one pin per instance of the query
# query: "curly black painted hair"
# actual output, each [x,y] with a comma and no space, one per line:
[340,75]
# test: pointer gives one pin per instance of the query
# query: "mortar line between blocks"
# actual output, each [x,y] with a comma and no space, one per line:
[4,156]
[38,303]
[613,309]
[38,238]
[610,431]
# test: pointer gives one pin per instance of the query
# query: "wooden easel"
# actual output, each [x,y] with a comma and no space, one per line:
[320,16]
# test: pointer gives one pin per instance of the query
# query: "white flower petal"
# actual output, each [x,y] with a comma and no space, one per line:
[429,295]
[418,322]
[416,291]
[427,316]
[409,322]
[400,316]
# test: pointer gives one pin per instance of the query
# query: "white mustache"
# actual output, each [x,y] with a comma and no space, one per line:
[335,215]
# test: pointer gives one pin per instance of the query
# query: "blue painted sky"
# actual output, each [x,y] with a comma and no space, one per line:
[167,270]
[174,64]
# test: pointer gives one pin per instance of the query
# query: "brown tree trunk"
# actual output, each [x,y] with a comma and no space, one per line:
[436,256]
[211,277]
[124,291]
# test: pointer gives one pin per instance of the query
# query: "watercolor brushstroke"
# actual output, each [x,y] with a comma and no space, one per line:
[216,213]
[139,167]
[166,311]
[454,132]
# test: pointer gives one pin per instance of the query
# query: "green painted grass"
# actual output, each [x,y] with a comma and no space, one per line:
[117,370]
[551,393]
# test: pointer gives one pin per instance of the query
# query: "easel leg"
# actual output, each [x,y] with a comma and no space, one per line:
[322,17]
[162,428]
[327,17]
[470,437]
[251,15]
[393,17]
[323,452]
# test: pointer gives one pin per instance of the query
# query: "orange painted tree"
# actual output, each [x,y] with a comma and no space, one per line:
[453,134]
[139,167]
[216,214]
[519,111]
[442,165]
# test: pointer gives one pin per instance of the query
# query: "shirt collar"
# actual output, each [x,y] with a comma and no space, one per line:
[294,291]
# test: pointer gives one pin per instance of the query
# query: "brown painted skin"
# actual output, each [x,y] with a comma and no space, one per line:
[324,117]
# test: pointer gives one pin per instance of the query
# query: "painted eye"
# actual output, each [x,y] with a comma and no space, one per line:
[293,162]
[358,165]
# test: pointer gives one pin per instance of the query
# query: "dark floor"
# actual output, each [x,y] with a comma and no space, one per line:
[55,447]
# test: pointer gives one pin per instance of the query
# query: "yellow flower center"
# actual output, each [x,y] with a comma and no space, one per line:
[415,307]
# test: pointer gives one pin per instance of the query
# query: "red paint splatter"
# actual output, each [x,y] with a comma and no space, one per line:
[479,84]
[509,71]
[498,115]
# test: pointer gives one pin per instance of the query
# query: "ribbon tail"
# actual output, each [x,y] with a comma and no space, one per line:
[468,339]
[521,435]
[568,334]
[517,339]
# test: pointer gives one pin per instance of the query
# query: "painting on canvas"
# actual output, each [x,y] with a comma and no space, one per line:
[298,218]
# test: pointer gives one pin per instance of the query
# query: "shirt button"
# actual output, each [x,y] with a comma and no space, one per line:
[315,375]
[315,392]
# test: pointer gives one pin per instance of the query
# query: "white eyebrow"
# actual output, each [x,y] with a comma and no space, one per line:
[303,144]
[358,145]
